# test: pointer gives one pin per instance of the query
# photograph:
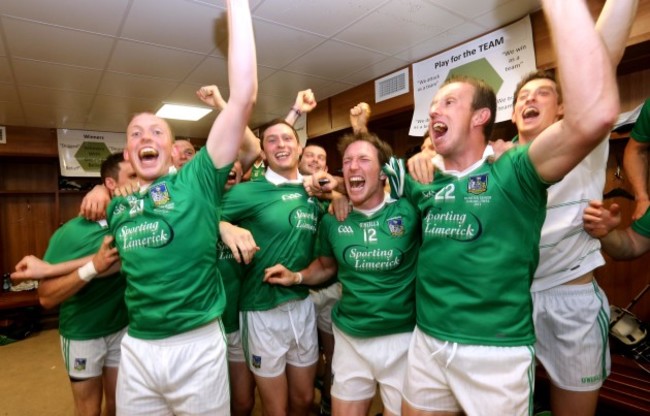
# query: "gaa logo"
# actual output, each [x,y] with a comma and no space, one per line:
[289,197]
[345,229]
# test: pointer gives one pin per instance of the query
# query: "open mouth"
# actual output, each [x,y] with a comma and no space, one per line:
[148,154]
[530,112]
[356,182]
[282,155]
[439,128]
[232,175]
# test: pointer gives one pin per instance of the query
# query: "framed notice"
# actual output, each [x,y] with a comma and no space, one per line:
[500,58]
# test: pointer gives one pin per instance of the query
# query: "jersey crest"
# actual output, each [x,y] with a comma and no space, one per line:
[396,226]
[477,184]
[160,194]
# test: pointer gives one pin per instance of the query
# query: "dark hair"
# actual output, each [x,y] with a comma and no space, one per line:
[531,76]
[110,167]
[273,123]
[384,151]
[484,97]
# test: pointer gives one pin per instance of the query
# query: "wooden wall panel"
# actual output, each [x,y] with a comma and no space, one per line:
[26,224]
[319,119]
[544,54]
[29,141]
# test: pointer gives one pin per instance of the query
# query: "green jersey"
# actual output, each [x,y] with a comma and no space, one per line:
[480,248]
[98,309]
[167,237]
[283,220]
[376,258]
[641,129]
[231,272]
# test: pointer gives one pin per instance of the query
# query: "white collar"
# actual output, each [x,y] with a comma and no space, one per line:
[439,163]
[277,179]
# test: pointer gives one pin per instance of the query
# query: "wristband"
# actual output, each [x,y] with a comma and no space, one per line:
[299,279]
[297,111]
[87,272]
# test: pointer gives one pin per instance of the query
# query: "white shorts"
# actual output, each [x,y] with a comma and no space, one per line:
[360,363]
[572,328]
[283,335]
[183,374]
[324,300]
[87,358]
[235,347]
[479,380]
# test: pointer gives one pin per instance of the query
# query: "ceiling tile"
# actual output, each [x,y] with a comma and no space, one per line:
[54,116]
[468,8]
[442,42]
[211,71]
[321,17]
[185,24]
[5,71]
[325,60]
[8,93]
[56,45]
[58,98]
[91,15]
[294,43]
[144,59]
[106,104]
[61,77]
[376,70]
[332,89]
[127,85]
[402,22]
[11,113]
[287,84]
[507,13]
[186,94]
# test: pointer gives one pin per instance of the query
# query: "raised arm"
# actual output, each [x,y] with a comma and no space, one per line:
[226,135]
[587,75]
[250,147]
[359,117]
[305,102]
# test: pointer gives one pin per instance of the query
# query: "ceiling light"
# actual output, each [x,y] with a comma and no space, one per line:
[182,112]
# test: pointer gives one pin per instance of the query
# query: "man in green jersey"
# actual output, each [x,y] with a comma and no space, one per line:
[472,350]
[92,315]
[279,330]
[166,236]
[374,251]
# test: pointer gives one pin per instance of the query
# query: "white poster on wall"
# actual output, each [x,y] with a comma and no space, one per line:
[500,58]
[81,152]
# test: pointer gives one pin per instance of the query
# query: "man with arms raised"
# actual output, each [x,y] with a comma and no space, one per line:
[476,261]
[166,235]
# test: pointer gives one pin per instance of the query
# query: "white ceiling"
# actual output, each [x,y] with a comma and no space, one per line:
[91,64]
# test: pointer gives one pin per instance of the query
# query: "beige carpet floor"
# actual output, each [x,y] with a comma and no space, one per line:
[33,381]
